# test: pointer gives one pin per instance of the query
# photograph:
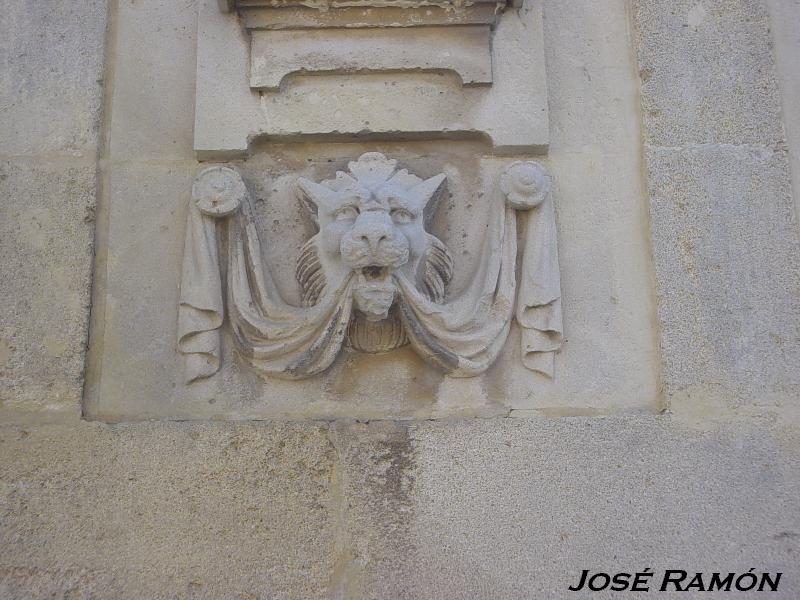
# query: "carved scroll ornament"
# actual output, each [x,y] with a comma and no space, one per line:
[372,278]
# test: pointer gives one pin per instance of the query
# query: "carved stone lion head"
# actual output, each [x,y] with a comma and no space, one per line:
[371,225]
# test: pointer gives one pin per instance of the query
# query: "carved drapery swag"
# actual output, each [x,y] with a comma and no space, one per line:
[372,278]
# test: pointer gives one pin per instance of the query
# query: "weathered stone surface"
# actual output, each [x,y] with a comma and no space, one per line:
[725,240]
[276,54]
[784,18]
[153,91]
[511,113]
[515,509]
[504,509]
[166,511]
[707,72]
[51,57]
[46,232]
[51,60]
[376,551]
[728,260]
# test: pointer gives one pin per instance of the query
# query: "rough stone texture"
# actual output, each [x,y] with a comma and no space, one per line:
[377,551]
[728,262]
[51,59]
[166,511]
[784,19]
[707,72]
[512,509]
[46,222]
[725,242]
[503,509]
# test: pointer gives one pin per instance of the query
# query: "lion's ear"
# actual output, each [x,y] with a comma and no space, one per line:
[314,196]
[424,191]
[427,194]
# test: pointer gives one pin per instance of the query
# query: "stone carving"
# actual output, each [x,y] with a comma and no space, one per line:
[371,228]
[372,277]
[527,187]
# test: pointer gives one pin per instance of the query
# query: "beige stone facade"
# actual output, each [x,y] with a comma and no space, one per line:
[660,432]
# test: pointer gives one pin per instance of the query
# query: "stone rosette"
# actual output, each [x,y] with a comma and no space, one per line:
[525,185]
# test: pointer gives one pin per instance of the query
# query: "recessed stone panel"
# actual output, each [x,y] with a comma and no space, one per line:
[378,274]
[148,349]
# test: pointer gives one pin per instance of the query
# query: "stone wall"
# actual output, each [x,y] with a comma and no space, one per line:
[725,241]
[51,91]
[682,111]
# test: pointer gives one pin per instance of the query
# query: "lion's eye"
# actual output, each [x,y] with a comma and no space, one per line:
[401,215]
[347,213]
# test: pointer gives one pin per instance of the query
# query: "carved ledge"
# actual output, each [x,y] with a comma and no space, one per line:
[276,54]
[367,36]
[474,6]
[381,70]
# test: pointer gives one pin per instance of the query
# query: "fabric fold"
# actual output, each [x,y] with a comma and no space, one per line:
[200,309]
[539,298]
[464,335]
[275,337]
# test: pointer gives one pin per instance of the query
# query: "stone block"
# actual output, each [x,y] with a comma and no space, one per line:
[166,511]
[141,260]
[784,18]
[727,258]
[51,77]
[513,509]
[707,73]
[153,92]
[376,553]
[46,236]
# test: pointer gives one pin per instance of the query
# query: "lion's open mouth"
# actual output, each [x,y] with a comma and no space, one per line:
[375,272]
[374,291]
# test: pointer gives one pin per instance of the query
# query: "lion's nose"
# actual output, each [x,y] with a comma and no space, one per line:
[373,239]
[371,229]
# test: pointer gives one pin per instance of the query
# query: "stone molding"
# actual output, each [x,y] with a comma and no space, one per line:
[385,70]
